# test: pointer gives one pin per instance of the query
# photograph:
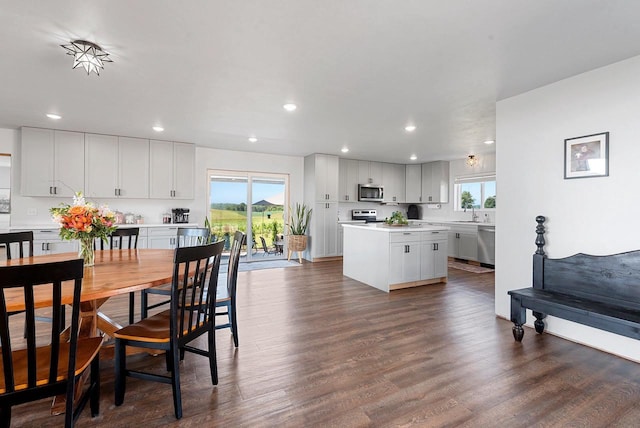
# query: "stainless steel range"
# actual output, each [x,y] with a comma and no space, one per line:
[369,216]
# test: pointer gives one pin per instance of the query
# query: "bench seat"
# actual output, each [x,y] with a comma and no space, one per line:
[605,316]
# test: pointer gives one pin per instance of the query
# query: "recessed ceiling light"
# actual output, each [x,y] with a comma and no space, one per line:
[410,128]
[54,116]
[253,139]
[345,150]
[413,157]
[158,128]
[489,142]
[290,107]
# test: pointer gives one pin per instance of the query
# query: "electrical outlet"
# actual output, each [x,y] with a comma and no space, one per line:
[32,211]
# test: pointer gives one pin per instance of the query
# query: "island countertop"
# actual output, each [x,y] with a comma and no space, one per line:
[383,228]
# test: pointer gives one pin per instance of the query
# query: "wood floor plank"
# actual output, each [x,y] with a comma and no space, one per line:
[318,349]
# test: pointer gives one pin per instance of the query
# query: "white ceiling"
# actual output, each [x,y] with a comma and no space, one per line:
[216,72]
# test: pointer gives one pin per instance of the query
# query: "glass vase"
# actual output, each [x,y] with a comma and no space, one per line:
[86,251]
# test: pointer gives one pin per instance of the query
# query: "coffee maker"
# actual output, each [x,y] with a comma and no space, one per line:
[180,215]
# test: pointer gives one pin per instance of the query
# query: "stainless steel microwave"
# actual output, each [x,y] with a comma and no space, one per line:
[370,192]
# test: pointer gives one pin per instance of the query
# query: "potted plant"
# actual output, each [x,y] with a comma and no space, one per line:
[298,223]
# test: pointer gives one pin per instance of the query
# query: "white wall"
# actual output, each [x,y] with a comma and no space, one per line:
[591,215]
[152,209]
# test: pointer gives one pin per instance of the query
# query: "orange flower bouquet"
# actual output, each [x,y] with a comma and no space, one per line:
[84,222]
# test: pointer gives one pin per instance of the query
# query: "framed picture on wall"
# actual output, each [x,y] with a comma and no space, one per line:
[586,156]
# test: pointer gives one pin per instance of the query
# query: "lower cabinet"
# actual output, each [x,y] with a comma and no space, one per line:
[463,243]
[159,238]
[417,256]
[324,230]
[48,241]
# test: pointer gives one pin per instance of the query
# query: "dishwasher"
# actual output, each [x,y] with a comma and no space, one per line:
[487,245]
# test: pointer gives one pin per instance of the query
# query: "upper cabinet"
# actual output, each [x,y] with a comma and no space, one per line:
[393,179]
[52,162]
[369,172]
[348,180]
[116,166]
[172,168]
[321,178]
[435,182]
[413,189]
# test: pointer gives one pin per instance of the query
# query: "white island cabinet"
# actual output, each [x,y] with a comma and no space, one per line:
[390,258]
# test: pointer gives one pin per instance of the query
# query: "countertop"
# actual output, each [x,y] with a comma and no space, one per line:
[455,222]
[381,227]
[52,225]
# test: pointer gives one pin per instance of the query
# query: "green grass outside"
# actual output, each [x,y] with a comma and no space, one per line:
[223,221]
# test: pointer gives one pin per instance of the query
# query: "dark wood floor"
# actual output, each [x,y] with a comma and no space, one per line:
[319,349]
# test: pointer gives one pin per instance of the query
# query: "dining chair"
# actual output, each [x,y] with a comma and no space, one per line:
[185,237]
[20,240]
[226,296]
[116,240]
[191,314]
[32,372]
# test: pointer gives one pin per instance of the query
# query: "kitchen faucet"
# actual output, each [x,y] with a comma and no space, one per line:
[474,216]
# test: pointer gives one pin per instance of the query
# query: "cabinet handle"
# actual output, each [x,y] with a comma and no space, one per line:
[55,190]
[51,190]
[394,199]
[420,198]
[430,199]
[42,246]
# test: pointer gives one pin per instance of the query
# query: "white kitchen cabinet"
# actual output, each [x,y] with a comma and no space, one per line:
[52,162]
[435,182]
[463,242]
[323,234]
[117,167]
[171,169]
[369,172]
[159,238]
[413,184]
[321,173]
[433,255]
[48,241]
[393,180]
[348,180]
[404,257]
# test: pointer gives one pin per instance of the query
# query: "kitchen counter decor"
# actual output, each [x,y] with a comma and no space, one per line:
[84,222]
[396,219]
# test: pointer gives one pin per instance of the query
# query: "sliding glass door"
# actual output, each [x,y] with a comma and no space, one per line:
[255,203]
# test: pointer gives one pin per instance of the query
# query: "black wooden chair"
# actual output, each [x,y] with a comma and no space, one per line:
[37,372]
[20,240]
[226,296]
[116,240]
[191,314]
[185,237]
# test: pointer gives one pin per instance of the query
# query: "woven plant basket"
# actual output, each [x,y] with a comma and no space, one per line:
[297,242]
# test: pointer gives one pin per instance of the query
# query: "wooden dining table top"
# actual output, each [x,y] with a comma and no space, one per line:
[115,272]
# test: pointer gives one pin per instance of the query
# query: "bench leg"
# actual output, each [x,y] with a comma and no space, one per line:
[518,317]
[539,324]
[518,332]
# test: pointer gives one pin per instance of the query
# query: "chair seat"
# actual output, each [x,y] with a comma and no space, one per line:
[154,329]
[87,349]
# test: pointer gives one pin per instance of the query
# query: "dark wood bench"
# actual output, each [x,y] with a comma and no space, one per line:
[598,291]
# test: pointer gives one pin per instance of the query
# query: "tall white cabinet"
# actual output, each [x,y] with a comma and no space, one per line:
[171,170]
[348,180]
[56,162]
[321,193]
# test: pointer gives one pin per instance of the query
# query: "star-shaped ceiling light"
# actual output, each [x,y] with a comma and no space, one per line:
[88,55]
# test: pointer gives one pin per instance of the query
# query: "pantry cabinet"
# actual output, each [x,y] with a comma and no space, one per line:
[348,180]
[52,162]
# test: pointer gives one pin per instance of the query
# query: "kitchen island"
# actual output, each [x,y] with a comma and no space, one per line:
[393,257]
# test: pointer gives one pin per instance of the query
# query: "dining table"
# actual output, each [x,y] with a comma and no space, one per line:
[116,272]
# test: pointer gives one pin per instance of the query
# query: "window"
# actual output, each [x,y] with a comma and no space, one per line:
[477,192]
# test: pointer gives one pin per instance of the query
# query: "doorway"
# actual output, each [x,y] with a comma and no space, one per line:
[254,203]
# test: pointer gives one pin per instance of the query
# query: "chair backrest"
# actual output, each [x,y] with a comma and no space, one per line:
[19,238]
[192,236]
[193,289]
[264,244]
[118,236]
[234,259]
[21,282]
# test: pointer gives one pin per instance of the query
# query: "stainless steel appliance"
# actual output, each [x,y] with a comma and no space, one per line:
[180,215]
[487,245]
[369,216]
[370,192]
